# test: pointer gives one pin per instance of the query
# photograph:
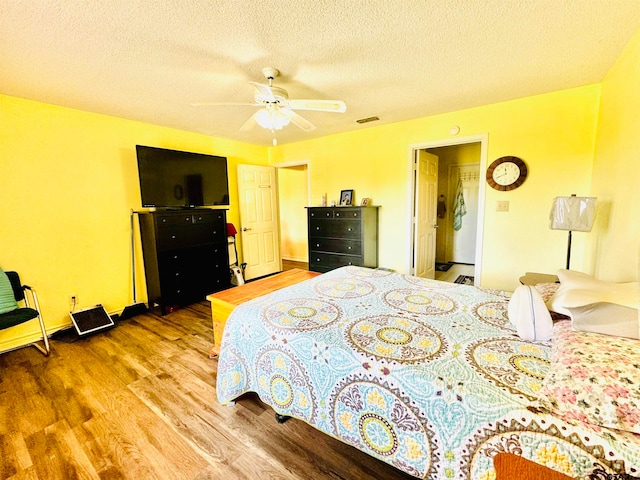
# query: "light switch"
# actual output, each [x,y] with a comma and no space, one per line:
[502,206]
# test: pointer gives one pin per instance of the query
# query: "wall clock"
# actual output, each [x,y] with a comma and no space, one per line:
[506,173]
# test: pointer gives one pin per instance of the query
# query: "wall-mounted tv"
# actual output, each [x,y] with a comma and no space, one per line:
[171,178]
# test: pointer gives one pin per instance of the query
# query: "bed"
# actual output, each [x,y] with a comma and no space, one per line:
[427,376]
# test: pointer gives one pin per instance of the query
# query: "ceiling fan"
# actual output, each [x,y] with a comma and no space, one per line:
[277,110]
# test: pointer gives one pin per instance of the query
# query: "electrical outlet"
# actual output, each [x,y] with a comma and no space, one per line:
[502,206]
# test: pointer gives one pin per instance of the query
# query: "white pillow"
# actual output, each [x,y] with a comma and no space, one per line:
[529,314]
[578,289]
[606,318]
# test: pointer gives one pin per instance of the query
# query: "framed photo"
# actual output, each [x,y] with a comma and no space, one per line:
[346,197]
[366,201]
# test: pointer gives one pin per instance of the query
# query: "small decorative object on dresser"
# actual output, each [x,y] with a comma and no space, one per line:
[346,197]
[341,236]
[365,202]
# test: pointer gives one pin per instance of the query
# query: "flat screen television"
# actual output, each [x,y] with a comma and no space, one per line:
[175,179]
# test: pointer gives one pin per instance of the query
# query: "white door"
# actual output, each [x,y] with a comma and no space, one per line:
[259,220]
[464,240]
[425,220]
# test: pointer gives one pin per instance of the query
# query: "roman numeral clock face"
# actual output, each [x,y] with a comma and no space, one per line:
[506,173]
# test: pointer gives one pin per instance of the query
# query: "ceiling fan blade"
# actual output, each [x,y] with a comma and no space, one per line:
[249,124]
[297,120]
[224,104]
[264,91]
[337,106]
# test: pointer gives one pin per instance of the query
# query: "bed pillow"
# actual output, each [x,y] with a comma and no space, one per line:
[529,314]
[593,378]
[7,298]
[578,289]
[606,318]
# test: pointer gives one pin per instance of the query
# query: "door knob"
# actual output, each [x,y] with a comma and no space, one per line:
[246,229]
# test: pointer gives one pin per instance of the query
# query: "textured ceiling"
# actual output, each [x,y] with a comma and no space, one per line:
[149,60]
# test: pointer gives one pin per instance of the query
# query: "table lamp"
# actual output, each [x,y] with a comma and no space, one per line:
[575,214]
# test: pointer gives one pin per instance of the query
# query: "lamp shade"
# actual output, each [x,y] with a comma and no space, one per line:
[573,213]
[271,118]
[231,230]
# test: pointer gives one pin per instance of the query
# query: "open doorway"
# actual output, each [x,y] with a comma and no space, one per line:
[457,210]
[293,197]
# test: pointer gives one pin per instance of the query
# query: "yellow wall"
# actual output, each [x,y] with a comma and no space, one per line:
[616,171]
[553,133]
[68,182]
[293,197]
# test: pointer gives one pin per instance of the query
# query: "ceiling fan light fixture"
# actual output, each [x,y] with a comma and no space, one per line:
[271,119]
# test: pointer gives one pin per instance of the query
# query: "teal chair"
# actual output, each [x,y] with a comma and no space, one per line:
[17,315]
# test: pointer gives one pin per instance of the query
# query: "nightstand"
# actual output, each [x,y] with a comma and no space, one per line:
[532,278]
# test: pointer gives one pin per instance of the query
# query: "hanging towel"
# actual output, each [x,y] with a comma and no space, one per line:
[459,209]
[442,206]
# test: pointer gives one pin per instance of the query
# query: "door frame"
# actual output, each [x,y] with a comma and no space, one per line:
[292,163]
[483,140]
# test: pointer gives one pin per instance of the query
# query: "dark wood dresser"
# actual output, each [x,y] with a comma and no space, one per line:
[186,256]
[340,236]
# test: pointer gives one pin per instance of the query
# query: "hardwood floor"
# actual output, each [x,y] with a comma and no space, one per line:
[139,402]
[291,264]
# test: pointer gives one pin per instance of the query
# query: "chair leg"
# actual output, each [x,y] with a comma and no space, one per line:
[46,349]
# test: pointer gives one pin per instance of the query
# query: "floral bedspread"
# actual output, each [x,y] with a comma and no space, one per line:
[424,375]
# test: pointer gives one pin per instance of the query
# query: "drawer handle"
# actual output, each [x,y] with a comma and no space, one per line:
[164,220]
[348,248]
[215,232]
[355,214]
[317,244]
[177,274]
[175,257]
[317,228]
[317,260]
[349,229]
[173,236]
[350,263]
[328,214]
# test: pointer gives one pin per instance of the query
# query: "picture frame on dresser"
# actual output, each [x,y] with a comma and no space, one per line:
[346,197]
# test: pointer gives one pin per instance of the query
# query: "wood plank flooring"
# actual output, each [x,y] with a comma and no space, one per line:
[139,402]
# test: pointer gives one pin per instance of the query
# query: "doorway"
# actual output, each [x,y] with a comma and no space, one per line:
[293,197]
[458,210]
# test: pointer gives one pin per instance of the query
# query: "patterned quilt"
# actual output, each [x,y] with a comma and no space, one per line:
[425,375]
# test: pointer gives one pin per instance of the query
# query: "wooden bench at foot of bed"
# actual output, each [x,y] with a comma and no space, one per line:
[512,467]
[223,303]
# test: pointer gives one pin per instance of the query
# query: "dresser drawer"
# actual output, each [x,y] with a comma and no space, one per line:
[199,269]
[180,237]
[331,261]
[173,220]
[321,212]
[347,213]
[336,229]
[337,245]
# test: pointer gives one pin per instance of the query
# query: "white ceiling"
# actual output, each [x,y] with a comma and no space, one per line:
[149,60]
